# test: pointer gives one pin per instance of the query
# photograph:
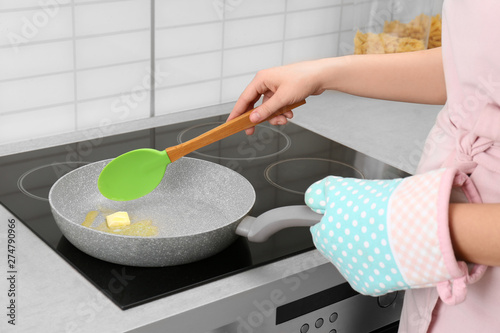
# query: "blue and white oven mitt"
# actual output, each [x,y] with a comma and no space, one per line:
[388,235]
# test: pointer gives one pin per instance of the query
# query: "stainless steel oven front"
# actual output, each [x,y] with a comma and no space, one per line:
[316,300]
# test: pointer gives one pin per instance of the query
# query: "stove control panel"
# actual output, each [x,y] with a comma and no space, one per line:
[339,309]
[335,310]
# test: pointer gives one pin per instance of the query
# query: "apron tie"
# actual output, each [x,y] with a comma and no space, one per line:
[473,150]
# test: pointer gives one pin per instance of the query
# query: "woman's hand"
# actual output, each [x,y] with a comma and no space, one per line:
[280,86]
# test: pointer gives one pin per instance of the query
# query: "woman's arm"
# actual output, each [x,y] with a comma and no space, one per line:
[475,232]
[410,77]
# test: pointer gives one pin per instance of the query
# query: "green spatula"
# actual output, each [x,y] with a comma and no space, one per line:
[138,172]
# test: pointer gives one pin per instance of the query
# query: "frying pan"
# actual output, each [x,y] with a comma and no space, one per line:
[200,208]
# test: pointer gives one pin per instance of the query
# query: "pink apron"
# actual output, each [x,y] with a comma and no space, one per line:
[466,135]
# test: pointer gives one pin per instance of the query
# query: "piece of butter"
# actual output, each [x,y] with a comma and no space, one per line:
[118,219]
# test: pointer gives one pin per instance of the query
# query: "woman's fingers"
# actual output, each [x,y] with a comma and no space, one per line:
[242,105]
[268,107]
[250,95]
[245,103]
[281,120]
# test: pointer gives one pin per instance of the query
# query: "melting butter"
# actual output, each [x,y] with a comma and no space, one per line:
[89,219]
[144,228]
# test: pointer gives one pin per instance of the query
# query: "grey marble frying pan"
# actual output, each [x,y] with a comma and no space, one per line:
[200,208]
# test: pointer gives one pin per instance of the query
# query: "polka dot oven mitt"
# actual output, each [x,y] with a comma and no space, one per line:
[388,235]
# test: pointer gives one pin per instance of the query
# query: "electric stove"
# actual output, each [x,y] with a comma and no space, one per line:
[280,162]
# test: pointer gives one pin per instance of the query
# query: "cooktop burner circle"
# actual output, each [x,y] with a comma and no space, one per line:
[36,182]
[266,142]
[295,175]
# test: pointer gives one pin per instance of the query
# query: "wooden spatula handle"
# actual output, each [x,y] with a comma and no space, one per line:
[233,126]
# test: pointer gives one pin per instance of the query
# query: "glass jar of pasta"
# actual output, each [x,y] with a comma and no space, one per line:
[392,26]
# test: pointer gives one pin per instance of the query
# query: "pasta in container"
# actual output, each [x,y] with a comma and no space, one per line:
[392,26]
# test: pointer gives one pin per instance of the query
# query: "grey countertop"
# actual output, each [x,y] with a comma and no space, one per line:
[52,296]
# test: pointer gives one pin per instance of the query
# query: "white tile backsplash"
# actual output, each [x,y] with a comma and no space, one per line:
[255,30]
[235,9]
[114,49]
[36,92]
[346,43]
[191,68]
[311,48]
[170,13]
[50,58]
[37,123]
[178,41]
[87,1]
[294,5]
[347,20]
[112,110]
[250,59]
[112,17]
[16,4]
[115,80]
[86,62]
[187,97]
[312,22]
[23,27]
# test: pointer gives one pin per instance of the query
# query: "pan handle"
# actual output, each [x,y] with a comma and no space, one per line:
[259,229]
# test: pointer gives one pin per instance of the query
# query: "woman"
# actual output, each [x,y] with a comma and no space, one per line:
[465,76]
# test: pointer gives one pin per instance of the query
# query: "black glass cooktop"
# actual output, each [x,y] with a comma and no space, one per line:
[280,162]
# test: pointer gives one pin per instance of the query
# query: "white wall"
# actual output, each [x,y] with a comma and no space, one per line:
[68,65]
